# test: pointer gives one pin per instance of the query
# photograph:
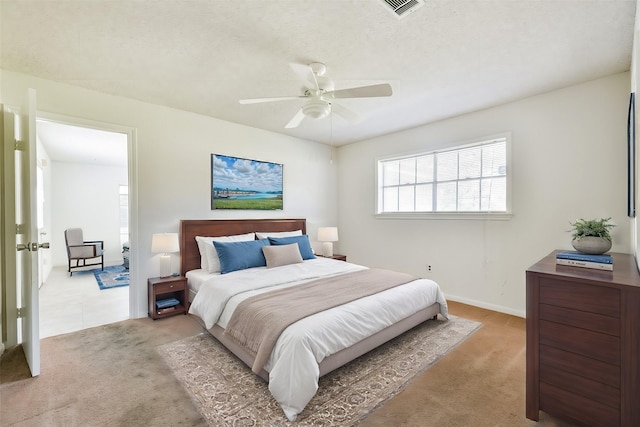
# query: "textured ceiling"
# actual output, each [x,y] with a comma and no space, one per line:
[447,58]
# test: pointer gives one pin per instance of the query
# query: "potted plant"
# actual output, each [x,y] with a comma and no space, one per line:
[592,236]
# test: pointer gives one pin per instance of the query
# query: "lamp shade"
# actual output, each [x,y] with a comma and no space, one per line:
[328,234]
[165,243]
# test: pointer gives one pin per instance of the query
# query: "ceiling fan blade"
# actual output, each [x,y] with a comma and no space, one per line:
[345,113]
[261,100]
[383,89]
[296,120]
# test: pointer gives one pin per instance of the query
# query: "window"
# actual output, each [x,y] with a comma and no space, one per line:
[124,214]
[472,178]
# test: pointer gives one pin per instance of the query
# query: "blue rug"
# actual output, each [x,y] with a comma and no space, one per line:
[112,277]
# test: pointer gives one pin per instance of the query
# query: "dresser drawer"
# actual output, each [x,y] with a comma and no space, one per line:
[580,385]
[587,367]
[555,400]
[579,296]
[168,287]
[595,345]
[581,319]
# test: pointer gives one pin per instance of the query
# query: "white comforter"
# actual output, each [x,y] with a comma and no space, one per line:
[293,365]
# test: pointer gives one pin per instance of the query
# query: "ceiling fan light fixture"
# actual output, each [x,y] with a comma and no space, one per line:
[321,94]
[316,109]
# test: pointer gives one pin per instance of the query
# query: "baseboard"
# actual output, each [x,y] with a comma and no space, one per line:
[482,304]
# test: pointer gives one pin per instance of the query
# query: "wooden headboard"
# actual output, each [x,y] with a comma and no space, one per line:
[189,229]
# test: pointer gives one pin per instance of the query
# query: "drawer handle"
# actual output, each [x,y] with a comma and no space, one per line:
[171,286]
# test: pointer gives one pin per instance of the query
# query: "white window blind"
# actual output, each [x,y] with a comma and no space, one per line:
[472,178]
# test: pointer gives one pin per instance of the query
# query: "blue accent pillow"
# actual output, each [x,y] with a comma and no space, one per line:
[302,241]
[240,255]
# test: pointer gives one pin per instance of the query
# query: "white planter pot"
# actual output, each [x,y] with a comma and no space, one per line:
[591,245]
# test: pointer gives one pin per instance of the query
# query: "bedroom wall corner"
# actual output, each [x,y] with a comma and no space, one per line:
[483,263]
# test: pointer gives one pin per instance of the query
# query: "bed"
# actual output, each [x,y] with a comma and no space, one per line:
[316,344]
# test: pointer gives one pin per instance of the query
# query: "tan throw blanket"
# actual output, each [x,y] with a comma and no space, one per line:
[258,321]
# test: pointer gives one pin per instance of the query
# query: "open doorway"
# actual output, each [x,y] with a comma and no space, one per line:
[84,175]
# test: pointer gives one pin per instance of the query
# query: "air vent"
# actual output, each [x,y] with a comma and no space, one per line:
[402,8]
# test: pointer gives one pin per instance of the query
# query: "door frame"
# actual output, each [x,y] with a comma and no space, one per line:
[8,303]
[8,293]
[132,172]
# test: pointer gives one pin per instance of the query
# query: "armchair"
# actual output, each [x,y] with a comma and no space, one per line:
[80,251]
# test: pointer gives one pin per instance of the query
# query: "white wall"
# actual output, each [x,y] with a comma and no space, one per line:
[87,196]
[172,155]
[568,161]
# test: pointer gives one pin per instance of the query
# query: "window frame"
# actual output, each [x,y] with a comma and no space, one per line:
[457,215]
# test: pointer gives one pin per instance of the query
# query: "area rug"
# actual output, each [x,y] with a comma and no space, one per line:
[227,393]
[112,277]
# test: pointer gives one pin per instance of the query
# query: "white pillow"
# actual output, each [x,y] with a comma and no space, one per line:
[211,262]
[202,243]
[282,255]
[266,235]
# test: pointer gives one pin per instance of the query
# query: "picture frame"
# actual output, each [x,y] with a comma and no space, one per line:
[631,157]
[245,184]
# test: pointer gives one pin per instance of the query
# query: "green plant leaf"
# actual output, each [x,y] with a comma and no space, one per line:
[594,227]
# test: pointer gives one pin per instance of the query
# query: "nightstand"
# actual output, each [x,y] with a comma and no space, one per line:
[167,287]
[336,256]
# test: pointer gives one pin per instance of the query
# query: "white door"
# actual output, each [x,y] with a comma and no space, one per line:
[27,244]
[42,229]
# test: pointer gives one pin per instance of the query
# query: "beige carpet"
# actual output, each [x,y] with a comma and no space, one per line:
[110,375]
[227,393]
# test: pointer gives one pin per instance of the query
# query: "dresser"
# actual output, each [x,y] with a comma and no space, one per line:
[583,342]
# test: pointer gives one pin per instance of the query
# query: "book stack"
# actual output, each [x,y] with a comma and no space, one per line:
[578,259]
[166,305]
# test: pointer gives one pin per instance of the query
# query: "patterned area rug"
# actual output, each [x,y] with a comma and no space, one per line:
[227,393]
[112,277]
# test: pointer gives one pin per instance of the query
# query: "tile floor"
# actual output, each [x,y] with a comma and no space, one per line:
[69,304]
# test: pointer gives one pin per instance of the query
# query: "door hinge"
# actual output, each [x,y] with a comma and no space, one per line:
[21,313]
[20,228]
[19,145]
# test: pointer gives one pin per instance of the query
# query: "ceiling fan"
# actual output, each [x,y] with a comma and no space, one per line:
[321,95]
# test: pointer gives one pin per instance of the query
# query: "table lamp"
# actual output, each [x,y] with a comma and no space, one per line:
[327,235]
[165,243]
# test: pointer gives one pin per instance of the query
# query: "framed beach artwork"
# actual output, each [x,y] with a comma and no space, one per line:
[238,183]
